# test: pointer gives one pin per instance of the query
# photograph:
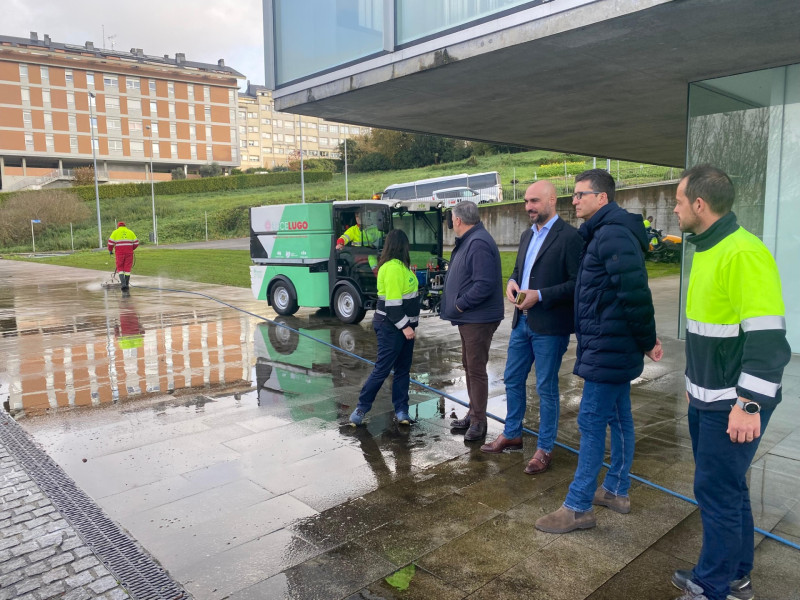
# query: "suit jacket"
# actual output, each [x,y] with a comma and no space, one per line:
[554,273]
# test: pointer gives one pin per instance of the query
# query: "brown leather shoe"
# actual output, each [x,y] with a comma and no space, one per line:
[501,444]
[539,462]
[620,504]
[460,423]
[565,520]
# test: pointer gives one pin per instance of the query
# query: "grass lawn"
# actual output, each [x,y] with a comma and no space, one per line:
[228,267]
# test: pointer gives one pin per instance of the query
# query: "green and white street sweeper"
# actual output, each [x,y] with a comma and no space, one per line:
[297,263]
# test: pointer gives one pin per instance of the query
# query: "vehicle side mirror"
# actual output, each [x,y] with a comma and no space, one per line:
[448,217]
[384,223]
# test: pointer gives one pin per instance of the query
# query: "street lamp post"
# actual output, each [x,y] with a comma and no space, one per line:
[152,185]
[302,174]
[94,161]
[346,192]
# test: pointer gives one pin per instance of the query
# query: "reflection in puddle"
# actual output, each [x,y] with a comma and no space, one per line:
[127,357]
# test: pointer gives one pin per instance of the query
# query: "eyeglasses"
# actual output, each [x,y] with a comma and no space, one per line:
[579,195]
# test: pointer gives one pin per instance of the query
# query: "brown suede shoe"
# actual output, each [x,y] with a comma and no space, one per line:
[539,462]
[565,520]
[501,444]
[620,504]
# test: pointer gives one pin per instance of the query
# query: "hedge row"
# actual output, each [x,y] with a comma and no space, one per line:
[195,186]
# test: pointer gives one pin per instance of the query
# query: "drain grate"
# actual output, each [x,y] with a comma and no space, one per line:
[138,573]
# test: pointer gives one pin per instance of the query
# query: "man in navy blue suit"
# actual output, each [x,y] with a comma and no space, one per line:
[542,288]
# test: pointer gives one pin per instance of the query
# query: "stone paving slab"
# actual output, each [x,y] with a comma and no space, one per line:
[41,555]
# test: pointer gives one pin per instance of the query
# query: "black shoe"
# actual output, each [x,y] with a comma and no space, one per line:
[460,423]
[476,431]
[741,589]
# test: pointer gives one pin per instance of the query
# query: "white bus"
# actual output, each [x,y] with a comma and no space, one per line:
[487,185]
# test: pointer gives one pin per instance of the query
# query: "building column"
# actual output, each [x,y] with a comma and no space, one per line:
[2,170]
[24,167]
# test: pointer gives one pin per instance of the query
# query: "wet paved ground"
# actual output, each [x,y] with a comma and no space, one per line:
[215,439]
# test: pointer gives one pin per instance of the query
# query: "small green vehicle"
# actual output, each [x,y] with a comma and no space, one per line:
[297,263]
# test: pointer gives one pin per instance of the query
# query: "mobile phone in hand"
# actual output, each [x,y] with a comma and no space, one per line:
[520,298]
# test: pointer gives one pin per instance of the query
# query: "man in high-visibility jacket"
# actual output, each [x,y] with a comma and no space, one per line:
[367,237]
[123,241]
[736,350]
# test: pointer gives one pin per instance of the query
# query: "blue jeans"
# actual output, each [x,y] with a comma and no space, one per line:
[603,405]
[720,487]
[394,351]
[544,352]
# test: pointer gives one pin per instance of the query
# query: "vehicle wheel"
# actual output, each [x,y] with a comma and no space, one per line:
[347,304]
[283,339]
[283,298]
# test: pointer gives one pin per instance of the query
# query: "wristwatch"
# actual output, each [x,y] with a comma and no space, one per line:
[751,408]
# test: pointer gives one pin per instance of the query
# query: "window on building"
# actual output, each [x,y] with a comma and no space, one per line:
[134,106]
[289,139]
[171,88]
[155,149]
[71,99]
[252,129]
[206,93]
[115,146]
[26,96]
[192,131]
[112,103]
[231,96]
[93,122]
[242,130]
[208,132]
[28,141]
[243,143]
[278,123]
[232,115]
[208,113]
[48,120]
[173,150]
[278,150]
[252,142]
[46,96]
[73,143]
[154,129]
[266,150]
[193,152]
[190,91]
[90,79]
[48,141]
[266,108]
[135,127]
[26,118]
[312,138]
[254,158]
[323,128]
[73,122]
[333,129]
[265,121]
[252,115]
[153,107]
[45,75]
[137,147]
[288,124]
[191,111]
[110,81]
[23,72]
[345,129]
[278,137]
[133,84]
[173,130]
[152,84]
[114,124]
[172,109]
[266,135]
[242,115]
[312,125]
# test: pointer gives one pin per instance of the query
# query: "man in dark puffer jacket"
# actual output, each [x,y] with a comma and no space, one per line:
[615,327]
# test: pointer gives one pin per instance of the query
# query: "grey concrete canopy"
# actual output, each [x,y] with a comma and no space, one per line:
[606,78]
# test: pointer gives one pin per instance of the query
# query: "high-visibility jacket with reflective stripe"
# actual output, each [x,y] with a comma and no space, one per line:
[736,332]
[398,301]
[356,236]
[123,240]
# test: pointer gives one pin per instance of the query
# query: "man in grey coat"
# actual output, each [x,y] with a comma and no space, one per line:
[473,300]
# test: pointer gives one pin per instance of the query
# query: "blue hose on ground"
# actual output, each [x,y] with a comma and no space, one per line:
[647,482]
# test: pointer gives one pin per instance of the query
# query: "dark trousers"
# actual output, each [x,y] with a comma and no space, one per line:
[476,338]
[394,352]
[720,488]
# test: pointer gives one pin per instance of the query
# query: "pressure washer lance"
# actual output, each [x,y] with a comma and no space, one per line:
[112,281]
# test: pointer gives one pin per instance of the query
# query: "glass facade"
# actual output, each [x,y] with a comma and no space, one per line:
[420,18]
[749,126]
[315,35]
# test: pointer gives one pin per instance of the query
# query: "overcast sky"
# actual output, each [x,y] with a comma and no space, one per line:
[204,30]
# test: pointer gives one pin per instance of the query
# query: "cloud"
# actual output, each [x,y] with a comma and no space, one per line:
[204,31]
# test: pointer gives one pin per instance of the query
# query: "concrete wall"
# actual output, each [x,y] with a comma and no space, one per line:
[507,221]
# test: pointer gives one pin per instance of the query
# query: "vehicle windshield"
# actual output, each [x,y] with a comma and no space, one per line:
[424,231]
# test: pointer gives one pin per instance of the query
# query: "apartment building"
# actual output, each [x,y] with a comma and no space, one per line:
[60,101]
[271,139]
